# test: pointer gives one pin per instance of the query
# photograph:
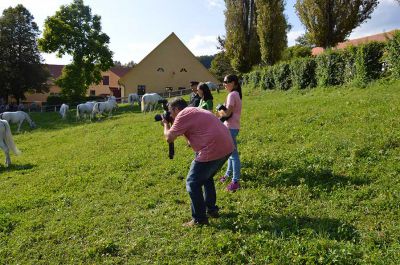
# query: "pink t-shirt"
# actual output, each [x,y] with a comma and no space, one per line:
[234,100]
[208,137]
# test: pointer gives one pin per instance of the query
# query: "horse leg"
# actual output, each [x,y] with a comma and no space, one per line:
[6,152]
[19,126]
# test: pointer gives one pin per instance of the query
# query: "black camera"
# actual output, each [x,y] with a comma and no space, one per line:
[222,107]
[167,116]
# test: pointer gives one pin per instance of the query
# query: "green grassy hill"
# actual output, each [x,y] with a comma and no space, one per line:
[320,173]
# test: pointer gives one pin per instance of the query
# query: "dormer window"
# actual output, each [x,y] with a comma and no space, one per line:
[183,70]
[160,69]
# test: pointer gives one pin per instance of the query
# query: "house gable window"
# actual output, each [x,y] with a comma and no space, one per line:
[106,80]
[183,70]
[160,69]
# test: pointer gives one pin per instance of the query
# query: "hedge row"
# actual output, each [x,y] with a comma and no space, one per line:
[354,65]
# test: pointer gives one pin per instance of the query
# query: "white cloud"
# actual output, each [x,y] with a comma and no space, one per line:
[293,35]
[215,3]
[203,45]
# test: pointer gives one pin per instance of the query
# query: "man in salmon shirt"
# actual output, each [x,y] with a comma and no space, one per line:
[212,143]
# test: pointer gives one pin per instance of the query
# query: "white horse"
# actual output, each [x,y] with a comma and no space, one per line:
[132,98]
[64,111]
[150,101]
[17,117]
[7,142]
[212,86]
[84,108]
[107,106]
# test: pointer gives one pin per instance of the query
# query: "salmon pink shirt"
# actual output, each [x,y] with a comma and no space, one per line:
[207,135]
[233,100]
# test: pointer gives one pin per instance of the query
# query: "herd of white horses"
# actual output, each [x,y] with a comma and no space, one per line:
[148,102]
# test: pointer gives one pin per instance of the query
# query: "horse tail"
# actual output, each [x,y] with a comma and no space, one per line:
[142,105]
[9,139]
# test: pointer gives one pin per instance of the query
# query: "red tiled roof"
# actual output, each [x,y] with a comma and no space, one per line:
[120,70]
[55,70]
[355,42]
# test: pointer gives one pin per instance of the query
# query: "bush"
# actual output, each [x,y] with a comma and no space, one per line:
[303,73]
[253,78]
[349,57]
[281,73]
[267,78]
[393,55]
[296,51]
[368,63]
[53,100]
[330,69]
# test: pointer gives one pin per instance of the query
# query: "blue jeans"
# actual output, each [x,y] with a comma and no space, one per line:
[202,174]
[234,161]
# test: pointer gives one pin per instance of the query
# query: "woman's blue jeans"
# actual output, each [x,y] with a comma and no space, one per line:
[234,161]
[202,174]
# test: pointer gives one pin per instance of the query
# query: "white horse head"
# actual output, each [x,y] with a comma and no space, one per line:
[7,141]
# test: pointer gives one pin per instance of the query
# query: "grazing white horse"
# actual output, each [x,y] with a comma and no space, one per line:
[84,108]
[132,98]
[150,101]
[7,142]
[17,117]
[64,111]
[107,106]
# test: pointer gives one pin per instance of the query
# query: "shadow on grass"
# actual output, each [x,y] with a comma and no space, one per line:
[287,226]
[16,167]
[276,174]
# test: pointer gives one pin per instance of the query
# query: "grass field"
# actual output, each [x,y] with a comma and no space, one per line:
[321,185]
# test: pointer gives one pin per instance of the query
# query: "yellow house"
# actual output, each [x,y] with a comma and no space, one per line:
[108,86]
[170,66]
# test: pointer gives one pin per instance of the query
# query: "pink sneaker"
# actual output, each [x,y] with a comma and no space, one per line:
[223,178]
[233,186]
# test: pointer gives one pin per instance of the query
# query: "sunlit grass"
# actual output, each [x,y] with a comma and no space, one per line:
[320,185]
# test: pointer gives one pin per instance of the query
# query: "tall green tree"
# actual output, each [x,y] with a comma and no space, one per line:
[329,22]
[241,43]
[21,68]
[220,66]
[75,31]
[272,29]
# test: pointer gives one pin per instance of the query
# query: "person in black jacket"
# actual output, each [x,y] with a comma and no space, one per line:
[194,97]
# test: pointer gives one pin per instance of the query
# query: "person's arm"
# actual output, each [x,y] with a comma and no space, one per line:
[168,136]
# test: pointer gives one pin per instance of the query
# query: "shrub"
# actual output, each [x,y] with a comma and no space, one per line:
[281,73]
[303,73]
[368,63]
[53,100]
[296,51]
[349,57]
[267,78]
[253,78]
[393,55]
[330,69]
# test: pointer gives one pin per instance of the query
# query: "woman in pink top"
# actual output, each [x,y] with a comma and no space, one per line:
[234,108]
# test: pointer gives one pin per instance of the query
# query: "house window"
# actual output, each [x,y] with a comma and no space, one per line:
[141,90]
[106,80]
[92,93]
[183,70]
[160,69]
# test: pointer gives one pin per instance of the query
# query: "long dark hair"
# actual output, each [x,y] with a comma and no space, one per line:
[206,91]
[236,84]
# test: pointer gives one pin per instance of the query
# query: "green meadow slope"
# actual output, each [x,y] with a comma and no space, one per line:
[321,185]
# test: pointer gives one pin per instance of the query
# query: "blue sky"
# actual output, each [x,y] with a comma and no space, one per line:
[136,27]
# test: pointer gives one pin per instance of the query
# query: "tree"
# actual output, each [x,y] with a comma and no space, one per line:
[241,43]
[20,62]
[206,60]
[220,66]
[75,31]
[329,22]
[272,29]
